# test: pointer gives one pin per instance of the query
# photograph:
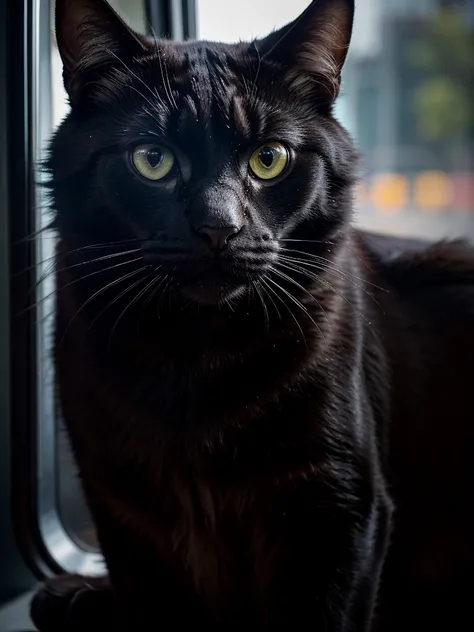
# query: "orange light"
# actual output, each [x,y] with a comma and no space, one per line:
[389,192]
[432,191]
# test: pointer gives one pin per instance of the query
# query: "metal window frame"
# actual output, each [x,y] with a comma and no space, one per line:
[15,576]
[173,18]
[39,531]
[18,215]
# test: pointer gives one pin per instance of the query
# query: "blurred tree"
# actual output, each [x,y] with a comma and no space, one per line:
[444,99]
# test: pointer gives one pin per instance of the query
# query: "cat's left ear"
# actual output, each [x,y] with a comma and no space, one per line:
[312,49]
[91,38]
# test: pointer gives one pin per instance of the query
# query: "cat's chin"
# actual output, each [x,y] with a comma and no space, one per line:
[212,294]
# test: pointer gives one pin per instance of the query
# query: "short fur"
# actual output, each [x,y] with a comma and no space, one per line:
[255,428]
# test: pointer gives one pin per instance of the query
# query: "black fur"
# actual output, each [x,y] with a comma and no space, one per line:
[245,422]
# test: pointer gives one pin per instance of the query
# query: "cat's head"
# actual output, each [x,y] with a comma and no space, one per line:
[215,163]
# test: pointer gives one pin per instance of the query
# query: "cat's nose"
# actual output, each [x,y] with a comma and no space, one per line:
[217,236]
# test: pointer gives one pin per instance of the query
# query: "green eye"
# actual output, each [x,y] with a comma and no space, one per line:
[269,160]
[153,162]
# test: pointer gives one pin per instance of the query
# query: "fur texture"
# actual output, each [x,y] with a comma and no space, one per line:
[246,419]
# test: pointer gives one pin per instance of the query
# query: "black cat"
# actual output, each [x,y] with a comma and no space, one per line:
[251,386]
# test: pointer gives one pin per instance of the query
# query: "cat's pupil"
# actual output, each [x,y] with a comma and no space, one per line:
[154,157]
[267,156]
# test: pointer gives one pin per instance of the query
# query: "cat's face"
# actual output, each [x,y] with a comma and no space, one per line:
[213,157]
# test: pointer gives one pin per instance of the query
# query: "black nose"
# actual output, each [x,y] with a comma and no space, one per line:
[217,236]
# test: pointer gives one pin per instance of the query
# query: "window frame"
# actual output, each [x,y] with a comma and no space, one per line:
[173,18]
[15,576]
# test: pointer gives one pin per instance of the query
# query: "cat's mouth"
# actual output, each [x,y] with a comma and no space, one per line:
[212,293]
[211,280]
[213,285]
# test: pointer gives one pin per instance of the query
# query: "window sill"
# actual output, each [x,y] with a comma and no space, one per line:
[14,615]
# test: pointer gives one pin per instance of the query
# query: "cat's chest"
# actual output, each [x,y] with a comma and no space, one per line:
[209,534]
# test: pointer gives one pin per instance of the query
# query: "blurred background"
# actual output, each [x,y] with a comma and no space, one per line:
[406,99]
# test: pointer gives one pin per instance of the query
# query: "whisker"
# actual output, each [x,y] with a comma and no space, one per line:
[113,255]
[52,267]
[273,282]
[146,288]
[311,241]
[156,281]
[154,291]
[117,298]
[127,307]
[299,286]
[86,276]
[155,39]
[228,303]
[32,236]
[325,268]
[56,256]
[167,86]
[167,278]
[310,258]
[313,257]
[256,285]
[253,90]
[319,279]
[134,74]
[285,277]
[98,293]
[152,105]
[265,289]
[332,265]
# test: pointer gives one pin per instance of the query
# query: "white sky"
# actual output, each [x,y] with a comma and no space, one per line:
[233,20]
[230,21]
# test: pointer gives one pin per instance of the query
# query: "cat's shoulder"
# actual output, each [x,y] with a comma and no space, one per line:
[417,267]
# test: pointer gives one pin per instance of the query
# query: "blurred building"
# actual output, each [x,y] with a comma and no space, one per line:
[412,183]
[377,103]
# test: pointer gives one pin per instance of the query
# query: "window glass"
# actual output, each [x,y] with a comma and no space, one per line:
[406,99]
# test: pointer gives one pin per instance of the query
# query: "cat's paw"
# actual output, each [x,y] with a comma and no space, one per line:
[70,603]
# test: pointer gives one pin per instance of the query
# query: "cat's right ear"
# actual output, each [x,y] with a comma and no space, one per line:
[91,39]
[312,49]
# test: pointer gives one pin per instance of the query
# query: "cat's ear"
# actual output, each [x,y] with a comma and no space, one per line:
[313,48]
[92,37]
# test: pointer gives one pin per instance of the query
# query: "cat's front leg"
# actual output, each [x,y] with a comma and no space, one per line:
[142,591]
[151,591]
[69,603]
[334,550]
